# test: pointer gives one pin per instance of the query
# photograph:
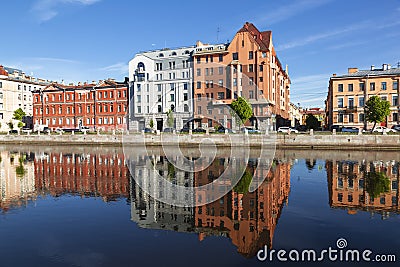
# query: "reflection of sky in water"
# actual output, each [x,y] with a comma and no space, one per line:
[50,218]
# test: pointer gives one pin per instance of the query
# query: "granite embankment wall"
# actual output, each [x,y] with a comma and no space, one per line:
[331,142]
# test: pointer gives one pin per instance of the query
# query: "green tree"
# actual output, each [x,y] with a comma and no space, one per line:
[312,122]
[19,114]
[377,183]
[376,110]
[20,124]
[170,119]
[151,123]
[243,110]
[20,169]
[243,185]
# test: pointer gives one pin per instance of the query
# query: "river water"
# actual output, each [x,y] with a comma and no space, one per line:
[77,206]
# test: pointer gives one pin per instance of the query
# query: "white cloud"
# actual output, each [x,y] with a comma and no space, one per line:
[51,59]
[365,25]
[120,68]
[285,12]
[46,10]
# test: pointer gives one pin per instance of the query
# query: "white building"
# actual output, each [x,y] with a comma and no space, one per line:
[16,92]
[161,81]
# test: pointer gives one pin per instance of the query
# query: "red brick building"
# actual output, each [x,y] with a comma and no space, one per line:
[100,106]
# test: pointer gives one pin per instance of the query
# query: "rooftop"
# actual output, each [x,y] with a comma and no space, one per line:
[385,70]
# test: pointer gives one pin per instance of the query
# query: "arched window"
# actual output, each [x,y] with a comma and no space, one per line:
[172,107]
[159,109]
[141,66]
[186,108]
[187,52]
[161,55]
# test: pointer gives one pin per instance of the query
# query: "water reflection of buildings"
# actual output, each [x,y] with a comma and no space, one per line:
[248,219]
[82,174]
[17,184]
[348,189]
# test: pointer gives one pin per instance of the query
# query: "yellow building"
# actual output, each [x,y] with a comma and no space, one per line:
[348,94]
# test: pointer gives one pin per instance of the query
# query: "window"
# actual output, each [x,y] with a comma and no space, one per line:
[251,94]
[207,72]
[221,95]
[251,55]
[139,98]
[340,87]
[234,81]
[395,100]
[220,70]
[139,87]
[220,58]
[372,86]
[395,85]
[1,84]
[198,72]
[139,109]
[198,60]
[199,110]
[198,85]
[264,54]
[186,108]
[172,97]
[350,87]
[221,83]
[351,102]
[159,88]
[351,118]
[261,79]
[88,109]
[395,117]
[361,117]
[159,109]
[261,67]
[361,86]
[185,97]
[251,68]
[340,102]
[235,56]
[361,101]
[185,86]
[147,98]
[383,86]
[159,99]
[198,97]
[340,118]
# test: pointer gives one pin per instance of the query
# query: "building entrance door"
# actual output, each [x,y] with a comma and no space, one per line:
[160,124]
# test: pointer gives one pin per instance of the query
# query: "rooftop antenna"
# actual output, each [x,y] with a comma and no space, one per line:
[218,31]
[398,64]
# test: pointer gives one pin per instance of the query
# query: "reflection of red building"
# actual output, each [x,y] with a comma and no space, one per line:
[347,186]
[102,105]
[104,176]
[249,220]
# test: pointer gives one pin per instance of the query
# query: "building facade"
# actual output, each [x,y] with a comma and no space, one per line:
[318,113]
[348,94]
[246,67]
[16,92]
[161,81]
[100,106]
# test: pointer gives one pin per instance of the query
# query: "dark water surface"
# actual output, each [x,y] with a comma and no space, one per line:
[76,206]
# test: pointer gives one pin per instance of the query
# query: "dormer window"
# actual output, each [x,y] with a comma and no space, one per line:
[161,55]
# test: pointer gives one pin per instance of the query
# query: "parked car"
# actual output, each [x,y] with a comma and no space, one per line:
[396,127]
[250,130]
[381,129]
[168,130]
[350,130]
[302,128]
[338,128]
[13,131]
[222,129]
[26,130]
[287,130]
[184,130]
[148,130]
[59,130]
[199,130]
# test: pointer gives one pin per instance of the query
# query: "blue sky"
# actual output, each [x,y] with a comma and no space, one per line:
[85,40]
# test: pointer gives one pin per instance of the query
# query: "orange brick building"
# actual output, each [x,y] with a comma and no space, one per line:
[347,187]
[246,67]
[102,105]
[249,220]
[98,175]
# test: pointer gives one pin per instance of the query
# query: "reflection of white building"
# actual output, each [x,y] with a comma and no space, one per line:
[160,81]
[17,179]
[16,92]
[150,213]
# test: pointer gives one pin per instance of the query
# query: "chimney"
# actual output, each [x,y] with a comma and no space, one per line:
[373,67]
[79,83]
[385,67]
[199,43]
[334,75]
[352,70]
